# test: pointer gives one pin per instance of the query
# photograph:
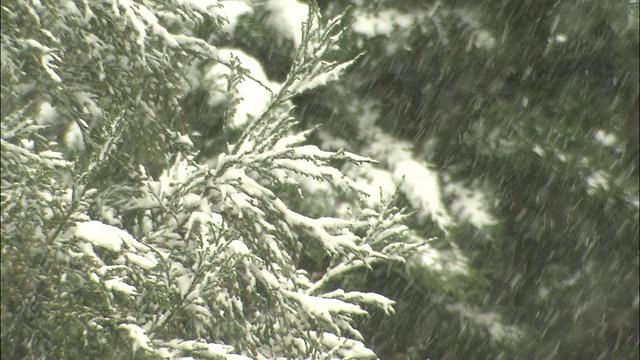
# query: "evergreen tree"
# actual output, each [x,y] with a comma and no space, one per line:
[158,198]
[528,115]
[121,238]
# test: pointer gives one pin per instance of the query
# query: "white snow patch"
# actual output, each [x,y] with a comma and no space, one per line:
[490,320]
[470,205]
[331,142]
[202,349]
[538,150]
[184,283]
[73,136]
[597,180]
[232,11]
[422,188]
[191,201]
[239,248]
[71,8]
[383,22]
[269,278]
[298,87]
[118,285]
[561,38]
[543,292]
[363,298]
[184,139]
[147,262]
[106,236]
[446,262]
[27,144]
[377,183]
[137,335]
[291,140]
[47,114]
[482,39]
[417,181]
[253,97]
[605,139]
[204,6]
[322,308]
[346,348]
[287,17]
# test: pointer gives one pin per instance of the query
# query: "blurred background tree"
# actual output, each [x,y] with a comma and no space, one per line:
[509,128]
[534,106]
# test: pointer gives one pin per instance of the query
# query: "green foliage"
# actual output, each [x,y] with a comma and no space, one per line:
[119,241]
[536,105]
[177,181]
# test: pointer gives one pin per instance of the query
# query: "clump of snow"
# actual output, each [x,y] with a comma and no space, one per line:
[543,292]
[444,262]
[480,38]
[208,350]
[291,140]
[239,248]
[118,285]
[605,138]
[191,201]
[232,11]
[184,139]
[138,336]
[147,262]
[324,307]
[490,320]
[422,187]
[383,22]
[298,87]
[363,298]
[561,38]
[538,150]
[561,156]
[73,136]
[327,309]
[158,193]
[47,57]
[184,283]
[377,183]
[111,238]
[346,348]
[47,114]
[470,205]
[88,104]
[99,234]
[597,180]
[418,182]
[253,97]
[288,16]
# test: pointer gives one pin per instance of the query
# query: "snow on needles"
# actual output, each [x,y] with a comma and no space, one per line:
[252,95]
[417,181]
[111,238]
[138,336]
[106,236]
[423,186]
